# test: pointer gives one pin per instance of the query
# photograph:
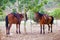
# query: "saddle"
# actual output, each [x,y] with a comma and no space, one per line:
[17,16]
[46,17]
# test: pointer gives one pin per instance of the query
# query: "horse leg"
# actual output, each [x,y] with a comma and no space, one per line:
[7,32]
[43,29]
[17,28]
[51,27]
[48,28]
[9,28]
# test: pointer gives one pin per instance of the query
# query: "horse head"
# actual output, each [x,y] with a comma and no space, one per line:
[38,15]
[24,16]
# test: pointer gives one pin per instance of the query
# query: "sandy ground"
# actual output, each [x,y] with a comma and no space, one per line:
[33,32]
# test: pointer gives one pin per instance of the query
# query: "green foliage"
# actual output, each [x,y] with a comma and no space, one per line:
[31,15]
[12,1]
[2,17]
[1,12]
[45,1]
[14,10]
[3,7]
[33,5]
[3,2]
[56,13]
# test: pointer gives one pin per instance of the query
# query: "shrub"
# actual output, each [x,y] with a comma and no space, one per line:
[56,13]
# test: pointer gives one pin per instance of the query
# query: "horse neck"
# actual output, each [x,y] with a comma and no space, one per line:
[40,16]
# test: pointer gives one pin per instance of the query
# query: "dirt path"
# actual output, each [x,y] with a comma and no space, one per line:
[31,35]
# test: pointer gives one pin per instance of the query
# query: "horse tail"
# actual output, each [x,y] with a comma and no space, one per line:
[52,19]
[6,20]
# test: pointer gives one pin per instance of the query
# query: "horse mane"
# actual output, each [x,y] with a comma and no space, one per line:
[40,14]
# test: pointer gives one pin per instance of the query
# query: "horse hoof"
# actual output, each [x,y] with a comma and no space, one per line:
[19,32]
[16,32]
[51,31]
[40,32]
[7,33]
[43,32]
[48,32]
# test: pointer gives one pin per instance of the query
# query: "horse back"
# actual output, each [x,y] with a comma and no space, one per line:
[46,19]
[12,19]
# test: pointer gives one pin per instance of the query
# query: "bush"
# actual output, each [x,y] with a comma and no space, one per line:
[2,17]
[56,13]
[1,13]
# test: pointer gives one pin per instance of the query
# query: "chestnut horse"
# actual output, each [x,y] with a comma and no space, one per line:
[11,19]
[44,19]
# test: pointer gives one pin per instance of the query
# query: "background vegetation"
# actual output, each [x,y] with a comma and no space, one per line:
[50,7]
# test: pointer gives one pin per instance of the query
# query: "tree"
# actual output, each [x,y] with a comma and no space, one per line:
[56,13]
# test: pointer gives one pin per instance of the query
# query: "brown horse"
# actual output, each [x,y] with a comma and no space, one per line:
[11,19]
[44,19]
